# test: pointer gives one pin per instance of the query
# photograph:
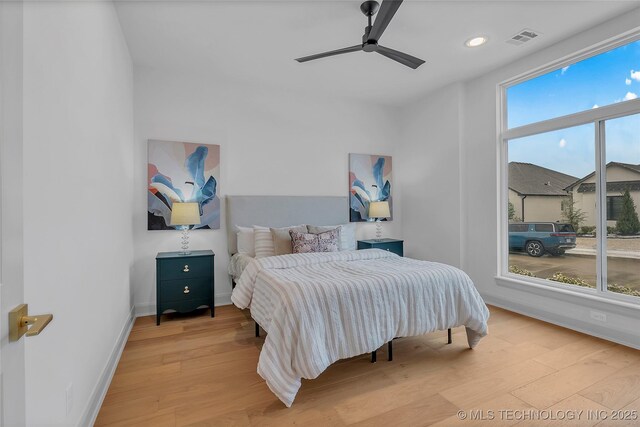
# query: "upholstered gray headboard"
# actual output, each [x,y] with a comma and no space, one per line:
[282,211]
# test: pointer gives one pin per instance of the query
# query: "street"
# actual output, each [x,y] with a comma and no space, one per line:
[622,271]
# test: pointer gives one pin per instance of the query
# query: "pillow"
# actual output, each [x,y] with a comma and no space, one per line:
[303,243]
[246,241]
[282,238]
[263,242]
[347,234]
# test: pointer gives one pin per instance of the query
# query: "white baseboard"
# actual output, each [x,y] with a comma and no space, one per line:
[603,332]
[149,309]
[100,390]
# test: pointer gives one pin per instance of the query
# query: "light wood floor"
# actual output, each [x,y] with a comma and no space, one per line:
[194,370]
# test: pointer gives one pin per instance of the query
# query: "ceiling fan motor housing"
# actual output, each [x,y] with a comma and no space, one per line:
[369,46]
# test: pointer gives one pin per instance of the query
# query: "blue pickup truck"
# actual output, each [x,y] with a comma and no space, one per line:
[536,238]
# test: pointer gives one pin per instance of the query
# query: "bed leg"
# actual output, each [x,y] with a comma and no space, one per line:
[449,340]
[257,330]
[373,356]
[390,351]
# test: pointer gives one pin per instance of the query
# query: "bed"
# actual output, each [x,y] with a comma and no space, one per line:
[322,307]
[237,264]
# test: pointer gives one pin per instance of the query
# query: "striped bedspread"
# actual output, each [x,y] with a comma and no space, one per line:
[322,307]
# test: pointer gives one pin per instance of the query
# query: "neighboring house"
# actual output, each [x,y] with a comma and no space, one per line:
[620,176]
[537,193]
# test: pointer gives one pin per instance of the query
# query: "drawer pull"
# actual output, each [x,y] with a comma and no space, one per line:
[186,290]
[186,268]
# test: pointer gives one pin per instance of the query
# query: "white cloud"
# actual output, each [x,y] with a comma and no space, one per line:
[565,69]
[629,96]
[563,143]
[627,81]
[635,75]
[595,106]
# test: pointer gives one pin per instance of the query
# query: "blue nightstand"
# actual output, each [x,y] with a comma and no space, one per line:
[391,245]
[184,282]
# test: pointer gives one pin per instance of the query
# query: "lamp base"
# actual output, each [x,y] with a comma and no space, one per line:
[185,241]
[378,230]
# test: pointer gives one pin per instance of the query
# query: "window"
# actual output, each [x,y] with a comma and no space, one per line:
[594,82]
[622,181]
[541,168]
[565,228]
[543,228]
[614,207]
[518,227]
[571,155]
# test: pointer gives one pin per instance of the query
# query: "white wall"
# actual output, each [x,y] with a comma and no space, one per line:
[12,390]
[78,174]
[478,169]
[431,204]
[271,143]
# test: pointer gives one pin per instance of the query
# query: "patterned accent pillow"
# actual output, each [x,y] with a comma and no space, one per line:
[303,243]
[347,234]
[282,238]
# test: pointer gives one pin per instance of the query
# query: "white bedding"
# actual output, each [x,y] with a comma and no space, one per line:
[321,307]
[237,264]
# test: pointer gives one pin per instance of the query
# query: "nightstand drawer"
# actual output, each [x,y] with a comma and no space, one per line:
[391,245]
[185,289]
[395,247]
[185,306]
[185,268]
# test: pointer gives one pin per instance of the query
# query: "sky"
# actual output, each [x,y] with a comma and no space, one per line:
[605,79]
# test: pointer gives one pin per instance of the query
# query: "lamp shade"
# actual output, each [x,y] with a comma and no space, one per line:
[379,210]
[185,214]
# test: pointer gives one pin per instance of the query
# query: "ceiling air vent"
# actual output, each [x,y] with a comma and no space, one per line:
[523,37]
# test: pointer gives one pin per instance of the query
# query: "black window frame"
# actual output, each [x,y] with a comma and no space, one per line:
[614,207]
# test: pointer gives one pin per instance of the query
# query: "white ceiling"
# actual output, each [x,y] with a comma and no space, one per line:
[257,41]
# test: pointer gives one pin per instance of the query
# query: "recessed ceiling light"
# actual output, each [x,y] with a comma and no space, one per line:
[475,41]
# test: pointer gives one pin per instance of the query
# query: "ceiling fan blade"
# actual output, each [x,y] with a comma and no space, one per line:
[330,53]
[388,8]
[401,57]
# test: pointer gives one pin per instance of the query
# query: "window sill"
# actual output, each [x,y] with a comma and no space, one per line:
[576,296]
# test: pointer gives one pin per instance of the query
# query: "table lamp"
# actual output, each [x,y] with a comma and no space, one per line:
[184,215]
[379,210]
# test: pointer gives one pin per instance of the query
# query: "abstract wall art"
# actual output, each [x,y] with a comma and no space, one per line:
[369,181]
[182,172]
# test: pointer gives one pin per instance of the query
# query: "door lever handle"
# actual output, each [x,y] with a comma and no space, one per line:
[20,323]
[38,323]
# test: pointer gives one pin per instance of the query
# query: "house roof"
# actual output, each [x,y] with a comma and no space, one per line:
[635,168]
[629,166]
[612,187]
[532,180]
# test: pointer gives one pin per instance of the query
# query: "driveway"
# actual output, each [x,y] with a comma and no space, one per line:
[623,271]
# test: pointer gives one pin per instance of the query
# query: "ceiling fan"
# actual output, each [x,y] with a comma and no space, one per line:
[373,33]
